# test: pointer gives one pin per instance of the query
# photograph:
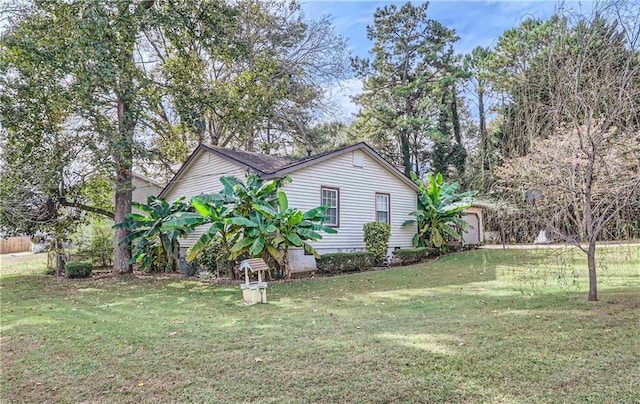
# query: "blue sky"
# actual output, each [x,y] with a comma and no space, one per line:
[475,22]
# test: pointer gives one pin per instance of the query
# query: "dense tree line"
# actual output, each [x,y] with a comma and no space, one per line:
[92,91]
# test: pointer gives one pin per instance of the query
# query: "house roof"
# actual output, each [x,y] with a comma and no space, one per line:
[146,179]
[307,161]
[269,167]
[259,162]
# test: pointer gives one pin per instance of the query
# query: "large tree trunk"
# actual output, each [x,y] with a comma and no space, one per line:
[406,153]
[123,147]
[483,138]
[122,253]
[591,262]
[124,189]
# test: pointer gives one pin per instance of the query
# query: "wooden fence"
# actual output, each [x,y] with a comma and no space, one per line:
[15,245]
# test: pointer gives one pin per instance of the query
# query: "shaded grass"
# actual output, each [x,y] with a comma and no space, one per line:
[508,326]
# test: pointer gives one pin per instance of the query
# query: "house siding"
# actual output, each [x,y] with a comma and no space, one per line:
[202,176]
[358,177]
[358,187]
[142,189]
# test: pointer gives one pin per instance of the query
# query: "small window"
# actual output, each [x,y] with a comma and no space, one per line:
[331,199]
[382,208]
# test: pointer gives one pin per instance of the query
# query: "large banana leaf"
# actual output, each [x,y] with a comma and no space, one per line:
[283,202]
[257,247]
[184,220]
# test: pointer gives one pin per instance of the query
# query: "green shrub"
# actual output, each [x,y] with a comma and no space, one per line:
[78,269]
[412,255]
[101,245]
[214,258]
[376,239]
[95,242]
[345,262]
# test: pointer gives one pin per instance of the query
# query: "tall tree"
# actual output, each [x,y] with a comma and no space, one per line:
[515,72]
[449,155]
[475,64]
[118,83]
[88,53]
[258,92]
[588,171]
[412,55]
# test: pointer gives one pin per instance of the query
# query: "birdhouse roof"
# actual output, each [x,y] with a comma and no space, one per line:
[254,264]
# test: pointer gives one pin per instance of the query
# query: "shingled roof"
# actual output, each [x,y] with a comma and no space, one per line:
[261,163]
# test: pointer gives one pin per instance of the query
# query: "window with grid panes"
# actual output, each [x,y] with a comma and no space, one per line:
[382,208]
[331,199]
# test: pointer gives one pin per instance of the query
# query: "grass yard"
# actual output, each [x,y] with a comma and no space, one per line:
[482,326]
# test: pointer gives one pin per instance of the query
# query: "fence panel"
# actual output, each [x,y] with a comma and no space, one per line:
[15,245]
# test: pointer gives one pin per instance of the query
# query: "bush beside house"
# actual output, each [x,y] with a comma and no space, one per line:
[345,262]
[412,255]
[376,240]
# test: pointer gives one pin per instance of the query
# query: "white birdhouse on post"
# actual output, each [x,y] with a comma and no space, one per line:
[254,292]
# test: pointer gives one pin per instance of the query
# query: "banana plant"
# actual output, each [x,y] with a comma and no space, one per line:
[252,219]
[439,213]
[272,232]
[155,247]
[210,209]
[255,194]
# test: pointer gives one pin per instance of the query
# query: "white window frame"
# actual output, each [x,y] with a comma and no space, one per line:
[337,207]
[388,211]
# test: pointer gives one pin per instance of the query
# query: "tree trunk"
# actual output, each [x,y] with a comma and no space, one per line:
[483,125]
[124,187]
[460,153]
[406,153]
[123,145]
[591,262]
[123,153]
[455,119]
[59,252]
[591,231]
[483,138]
[122,253]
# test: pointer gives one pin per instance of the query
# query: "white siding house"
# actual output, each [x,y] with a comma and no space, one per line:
[143,188]
[200,175]
[357,184]
[357,179]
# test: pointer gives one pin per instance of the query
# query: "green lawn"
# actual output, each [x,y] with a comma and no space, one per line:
[482,326]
